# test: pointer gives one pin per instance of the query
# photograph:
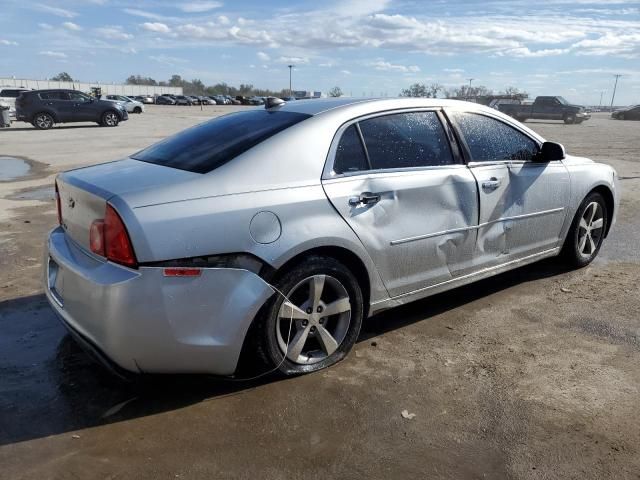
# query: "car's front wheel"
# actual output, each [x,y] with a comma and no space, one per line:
[43,121]
[137,110]
[110,119]
[569,118]
[587,231]
[318,323]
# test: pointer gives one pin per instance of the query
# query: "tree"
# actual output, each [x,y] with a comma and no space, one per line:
[465,91]
[62,77]
[335,92]
[515,92]
[139,80]
[176,81]
[421,90]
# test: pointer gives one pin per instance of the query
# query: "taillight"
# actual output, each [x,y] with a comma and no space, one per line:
[59,207]
[108,237]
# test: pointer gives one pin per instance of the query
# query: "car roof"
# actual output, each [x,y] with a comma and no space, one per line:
[318,106]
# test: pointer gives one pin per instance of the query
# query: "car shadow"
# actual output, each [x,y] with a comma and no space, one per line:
[50,386]
[55,127]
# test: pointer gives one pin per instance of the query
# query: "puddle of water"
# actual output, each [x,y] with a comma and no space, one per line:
[43,194]
[12,168]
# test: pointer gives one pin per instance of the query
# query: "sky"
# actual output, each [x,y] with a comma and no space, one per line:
[366,47]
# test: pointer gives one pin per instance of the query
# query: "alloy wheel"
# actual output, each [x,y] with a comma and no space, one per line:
[590,229]
[110,119]
[44,121]
[320,309]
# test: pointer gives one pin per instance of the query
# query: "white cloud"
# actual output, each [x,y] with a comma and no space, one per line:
[381,65]
[263,56]
[49,53]
[345,72]
[45,26]
[624,44]
[72,26]
[167,60]
[293,60]
[223,20]
[199,7]
[526,53]
[453,70]
[9,43]
[143,13]
[156,27]
[60,12]
[113,33]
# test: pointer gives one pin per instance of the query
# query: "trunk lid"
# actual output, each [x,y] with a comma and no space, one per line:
[84,192]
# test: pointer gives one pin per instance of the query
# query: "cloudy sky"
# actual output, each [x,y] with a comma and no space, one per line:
[370,47]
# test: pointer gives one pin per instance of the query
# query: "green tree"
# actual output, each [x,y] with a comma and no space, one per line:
[335,92]
[421,90]
[62,77]
[140,80]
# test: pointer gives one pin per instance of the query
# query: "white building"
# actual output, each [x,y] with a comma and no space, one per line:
[107,88]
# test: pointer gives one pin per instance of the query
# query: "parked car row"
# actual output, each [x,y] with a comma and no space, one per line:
[628,113]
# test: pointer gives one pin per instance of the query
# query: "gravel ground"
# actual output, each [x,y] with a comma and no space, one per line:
[531,374]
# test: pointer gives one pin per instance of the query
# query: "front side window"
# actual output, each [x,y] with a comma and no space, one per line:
[207,146]
[54,96]
[78,97]
[489,139]
[350,155]
[406,140]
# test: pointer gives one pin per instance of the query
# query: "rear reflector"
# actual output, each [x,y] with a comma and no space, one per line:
[182,272]
[96,237]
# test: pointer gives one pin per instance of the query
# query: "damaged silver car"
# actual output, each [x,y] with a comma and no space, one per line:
[276,231]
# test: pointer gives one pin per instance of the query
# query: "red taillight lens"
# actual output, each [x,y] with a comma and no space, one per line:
[109,238]
[59,207]
[117,245]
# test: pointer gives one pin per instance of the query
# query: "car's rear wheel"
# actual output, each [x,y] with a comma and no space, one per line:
[569,118]
[43,121]
[137,110]
[319,322]
[587,231]
[110,119]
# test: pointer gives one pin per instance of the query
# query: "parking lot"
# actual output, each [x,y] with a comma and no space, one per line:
[530,374]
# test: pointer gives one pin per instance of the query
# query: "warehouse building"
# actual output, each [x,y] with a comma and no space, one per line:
[106,88]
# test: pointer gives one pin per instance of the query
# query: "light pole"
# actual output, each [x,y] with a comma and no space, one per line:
[469,91]
[290,70]
[601,94]
[613,96]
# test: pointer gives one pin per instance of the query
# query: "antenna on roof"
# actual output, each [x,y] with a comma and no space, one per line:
[272,102]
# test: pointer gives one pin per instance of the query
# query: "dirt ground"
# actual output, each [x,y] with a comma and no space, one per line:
[530,375]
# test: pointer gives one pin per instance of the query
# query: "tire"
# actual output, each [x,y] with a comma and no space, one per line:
[43,121]
[273,328]
[588,228]
[569,119]
[110,119]
[137,110]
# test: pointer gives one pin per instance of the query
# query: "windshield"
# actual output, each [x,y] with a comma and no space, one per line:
[209,145]
[562,100]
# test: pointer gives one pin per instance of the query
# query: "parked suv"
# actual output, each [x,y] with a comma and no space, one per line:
[44,108]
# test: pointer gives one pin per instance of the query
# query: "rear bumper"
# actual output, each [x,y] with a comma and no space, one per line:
[141,321]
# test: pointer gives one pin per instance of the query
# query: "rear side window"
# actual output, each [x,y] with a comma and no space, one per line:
[489,139]
[350,156]
[11,93]
[54,96]
[406,140]
[209,145]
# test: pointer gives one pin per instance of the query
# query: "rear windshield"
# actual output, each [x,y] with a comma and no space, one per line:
[205,147]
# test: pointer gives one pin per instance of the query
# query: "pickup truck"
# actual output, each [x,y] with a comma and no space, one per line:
[547,108]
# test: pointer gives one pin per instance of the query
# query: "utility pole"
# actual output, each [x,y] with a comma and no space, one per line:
[613,96]
[290,70]
[601,94]
[469,91]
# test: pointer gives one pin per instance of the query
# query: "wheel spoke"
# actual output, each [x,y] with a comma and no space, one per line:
[594,208]
[317,286]
[289,310]
[597,224]
[583,224]
[329,343]
[582,244]
[592,245]
[339,306]
[297,344]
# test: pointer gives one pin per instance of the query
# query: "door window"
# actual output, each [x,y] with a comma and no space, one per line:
[350,155]
[79,97]
[406,140]
[489,139]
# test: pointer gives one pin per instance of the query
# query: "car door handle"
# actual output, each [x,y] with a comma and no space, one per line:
[365,198]
[491,184]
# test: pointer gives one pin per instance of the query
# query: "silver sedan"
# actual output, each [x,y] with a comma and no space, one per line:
[274,232]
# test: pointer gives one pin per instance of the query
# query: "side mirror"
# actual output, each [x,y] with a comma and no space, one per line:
[549,152]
